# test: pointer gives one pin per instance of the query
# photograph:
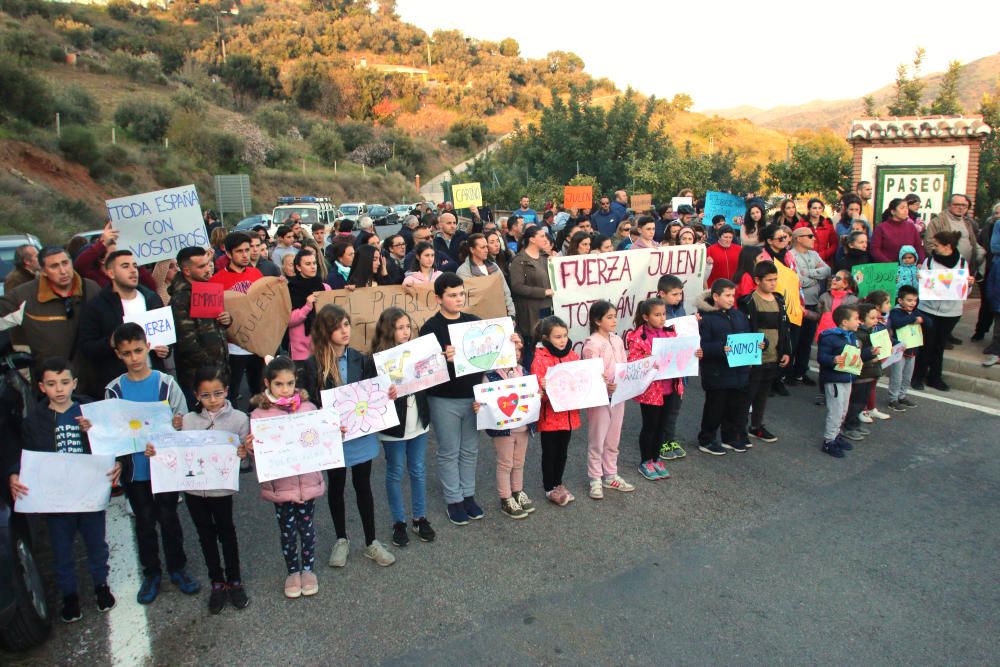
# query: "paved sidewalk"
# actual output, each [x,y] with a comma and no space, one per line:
[963,367]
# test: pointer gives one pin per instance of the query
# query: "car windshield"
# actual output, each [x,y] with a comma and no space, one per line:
[401,208]
[7,260]
[308,215]
[378,210]
[348,210]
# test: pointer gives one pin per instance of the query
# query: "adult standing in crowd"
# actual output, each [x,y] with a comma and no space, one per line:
[394,253]
[813,273]
[499,252]
[850,212]
[825,237]
[893,233]
[476,261]
[605,218]
[302,291]
[410,224]
[25,267]
[787,214]
[320,236]
[526,213]
[753,224]
[286,245]
[723,255]
[515,229]
[448,242]
[90,262]
[864,193]
[777,239]
[953,219]
[985,318]
[258,260]
[530,285]
[991,293]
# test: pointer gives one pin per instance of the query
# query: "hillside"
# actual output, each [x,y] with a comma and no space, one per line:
[978,77]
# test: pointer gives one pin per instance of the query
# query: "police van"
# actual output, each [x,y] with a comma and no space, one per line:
[310,209]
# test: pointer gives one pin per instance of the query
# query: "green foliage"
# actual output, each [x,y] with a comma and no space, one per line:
[145,68]
[355,134]
[76,105]
[947,101]
[988,191]
[909,88]
[115,155]
[249,78]
[120,10]
[25,96]
[326,143]
[509,48]
[78,144]
[869,109]
[812,168]
[188,100]
[467,133]
[277,119]
[146,121]
[23,45]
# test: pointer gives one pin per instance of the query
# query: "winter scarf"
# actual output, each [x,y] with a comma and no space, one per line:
[555,352]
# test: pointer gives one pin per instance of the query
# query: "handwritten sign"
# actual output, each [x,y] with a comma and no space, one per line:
[676,356]
[576,385]
[944,284]
[158,325]
[912,335]
[633,378]
[677,202]
[744,349]
[413,366]
[260,317]
[724,203]
[64,482]
[895,356]
[875,277]
[297,443]
[482,346]
[507,404]
[124,427]
[197,468]
[684,326]
[483,297]
[578,196]
[641,203]
[364,407]
[466,195]
[883,342]
[852,360]
[207,300]
[624,278]
[157,225]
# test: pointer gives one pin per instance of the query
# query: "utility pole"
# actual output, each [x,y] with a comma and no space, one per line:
[428,53]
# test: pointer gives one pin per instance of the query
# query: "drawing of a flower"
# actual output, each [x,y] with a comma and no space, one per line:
[309,437]
[362,408]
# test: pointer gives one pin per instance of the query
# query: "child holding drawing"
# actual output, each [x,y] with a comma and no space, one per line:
[143,384]
[53,425]
[555,428]
[604,422]
[882,302]
[408,440]
[212,511]
[670,289]
[904,314]
[293,497]
[836,383]
[862,385]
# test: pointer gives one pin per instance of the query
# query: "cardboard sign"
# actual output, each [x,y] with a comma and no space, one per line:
[507,404]
[642,203]
[124,427]
[157,225]
[207,300]
[483,346]
[578,196]
[466,195]
[364,407]
[297,443]
[483,297]
[676,356]
[912,335]
[158,325]
[883,342]
[575,385]
[744,349]
[64,482]
[852,360]
[944,284]
[413,366]
[633,378]
[260,317]
[875,277]
[724,203]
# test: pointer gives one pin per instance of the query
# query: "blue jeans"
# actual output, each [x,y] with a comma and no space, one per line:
[413,450]
[454,425]
[62,533]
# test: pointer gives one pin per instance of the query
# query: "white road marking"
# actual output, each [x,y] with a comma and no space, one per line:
[128,627]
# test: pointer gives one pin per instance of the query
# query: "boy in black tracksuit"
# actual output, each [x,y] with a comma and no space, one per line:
[766,311]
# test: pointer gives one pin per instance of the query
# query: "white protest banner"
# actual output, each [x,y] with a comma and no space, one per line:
[624,278]
[158,325]
[64,482]
[507,404]
[124,427]
[200,468]
[677,202]
[465,195]
[576,385]
[684,326]
[944,284]
[413,366]
[676,356]
[156,225]
[483,346]
[364,407]
[896,355]
[297,443]
[633,378]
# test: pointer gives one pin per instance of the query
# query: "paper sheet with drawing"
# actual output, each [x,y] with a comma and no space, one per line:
[576,385]
[482,346]
[413,366]
[64,482]
[633,378]
[195,461]
[297,443]
[676,356]
[124,427]
[364,407]
[507,404]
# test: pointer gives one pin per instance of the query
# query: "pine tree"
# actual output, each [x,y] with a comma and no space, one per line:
[909,87]
[947,101]
[869,106]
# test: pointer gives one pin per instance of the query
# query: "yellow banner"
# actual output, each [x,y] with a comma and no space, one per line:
[466,195]
[788,288]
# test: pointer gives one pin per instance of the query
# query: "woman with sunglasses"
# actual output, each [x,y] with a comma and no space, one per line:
[621,239]
[813,273]
[822,227]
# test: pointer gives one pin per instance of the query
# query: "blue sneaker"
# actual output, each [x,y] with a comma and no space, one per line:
[472,508]
[149,590]
[661,470]
[184,581]
[648,470]
[843,443]
[457,514]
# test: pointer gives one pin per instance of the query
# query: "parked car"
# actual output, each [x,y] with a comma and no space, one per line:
[382,215]
[247,224]
[10,243]
[352,211]
[402,210]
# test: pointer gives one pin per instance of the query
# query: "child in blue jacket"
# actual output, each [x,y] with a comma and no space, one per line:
[837,384]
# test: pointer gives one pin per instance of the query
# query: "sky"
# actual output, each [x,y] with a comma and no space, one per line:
[727,54]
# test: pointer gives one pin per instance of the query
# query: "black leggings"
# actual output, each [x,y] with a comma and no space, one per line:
[555,444]
[658,425]
[213,519]
[930,357]
[361,480]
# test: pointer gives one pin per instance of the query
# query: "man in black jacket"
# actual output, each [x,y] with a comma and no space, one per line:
[104,313]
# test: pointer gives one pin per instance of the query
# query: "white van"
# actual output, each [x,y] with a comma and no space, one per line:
[310,209]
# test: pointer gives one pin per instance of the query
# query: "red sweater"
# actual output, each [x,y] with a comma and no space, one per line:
[237,282]
[826,238]
[723,261]
[90,264]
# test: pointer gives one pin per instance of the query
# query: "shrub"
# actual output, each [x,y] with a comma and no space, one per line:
[115,155]
[275,120]
[145,68]
[256,145]
[280,156]
[146,121]
[355,134]
[189,101]
[467,133]
[326,143]
[99,169]
[76,105]
[227,149]
[120,10]
[57,54]
[25,96]
[372,154]
[78,144]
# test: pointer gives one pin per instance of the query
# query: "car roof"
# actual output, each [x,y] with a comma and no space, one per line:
[20,239]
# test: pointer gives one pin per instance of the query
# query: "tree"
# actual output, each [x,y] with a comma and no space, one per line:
[681,102]
[947,101]
[909,88]
[869,106]
[510,48]
[812,167]
[988,191]
[248,77]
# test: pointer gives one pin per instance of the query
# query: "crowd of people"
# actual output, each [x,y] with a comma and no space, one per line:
[69,306]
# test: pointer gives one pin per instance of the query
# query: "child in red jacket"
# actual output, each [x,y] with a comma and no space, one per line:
[555,428]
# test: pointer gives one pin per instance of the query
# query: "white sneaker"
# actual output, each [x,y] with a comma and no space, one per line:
[596,490]
[338,558]
[379,554]
[865,418]
[990,360]
[618,484]
[878,414]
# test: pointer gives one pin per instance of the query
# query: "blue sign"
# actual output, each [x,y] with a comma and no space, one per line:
[723,203]
[744,349]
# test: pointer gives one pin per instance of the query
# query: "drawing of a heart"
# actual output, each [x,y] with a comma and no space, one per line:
[946,278]
[483,346]
[507,404]
[683,358]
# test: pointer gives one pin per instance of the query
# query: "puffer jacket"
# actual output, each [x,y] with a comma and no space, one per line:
[230,420]
[870,368]
[549,419]
[201,341]
[831,345]
[640,345]
[715,326]
[297,488]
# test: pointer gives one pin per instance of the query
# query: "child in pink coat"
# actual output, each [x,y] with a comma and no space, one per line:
[604,423]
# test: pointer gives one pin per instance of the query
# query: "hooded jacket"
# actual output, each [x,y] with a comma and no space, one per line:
[297,488]
[640,345]
[230,420]
[907,275]
[831,344]
[549,419]
[715,326]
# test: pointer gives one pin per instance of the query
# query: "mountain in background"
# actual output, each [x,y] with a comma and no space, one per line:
[978,77]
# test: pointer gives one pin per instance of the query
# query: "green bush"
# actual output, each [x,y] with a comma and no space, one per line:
[120,10]
[57,54]
[78,144]
[190,101]
[276,119]
[355,134]
[99,170]
[280,156]
[326,143]
[145,68]
[115,155]
[146,121]
[25,96]
[76,105]
[467,133]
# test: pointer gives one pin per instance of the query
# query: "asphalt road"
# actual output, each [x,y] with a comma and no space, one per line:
[781,555]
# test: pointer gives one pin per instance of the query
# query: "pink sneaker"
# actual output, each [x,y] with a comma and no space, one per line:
[293,585]
[558,496]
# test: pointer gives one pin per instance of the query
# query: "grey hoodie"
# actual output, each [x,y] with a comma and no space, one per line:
[228,419]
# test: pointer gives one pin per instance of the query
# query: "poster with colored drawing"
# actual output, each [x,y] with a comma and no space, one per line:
[912,335]
[576,385]
[684,326]
[64,482]
[852,360]
[744,349]
[944,284]
[633,378]
[883,342]
[507,404]
[200,468]
[364,407]
[413,366]
[482,346]
[297,443]
[896,355]
[124,427]
[676,356]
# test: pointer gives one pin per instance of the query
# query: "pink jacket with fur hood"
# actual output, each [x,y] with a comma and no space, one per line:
[640,345]
[297,488]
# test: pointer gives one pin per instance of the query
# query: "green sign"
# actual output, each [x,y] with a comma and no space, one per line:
[932,183]
[874,277]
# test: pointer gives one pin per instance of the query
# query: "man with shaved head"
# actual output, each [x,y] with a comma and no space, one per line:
[448,241]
